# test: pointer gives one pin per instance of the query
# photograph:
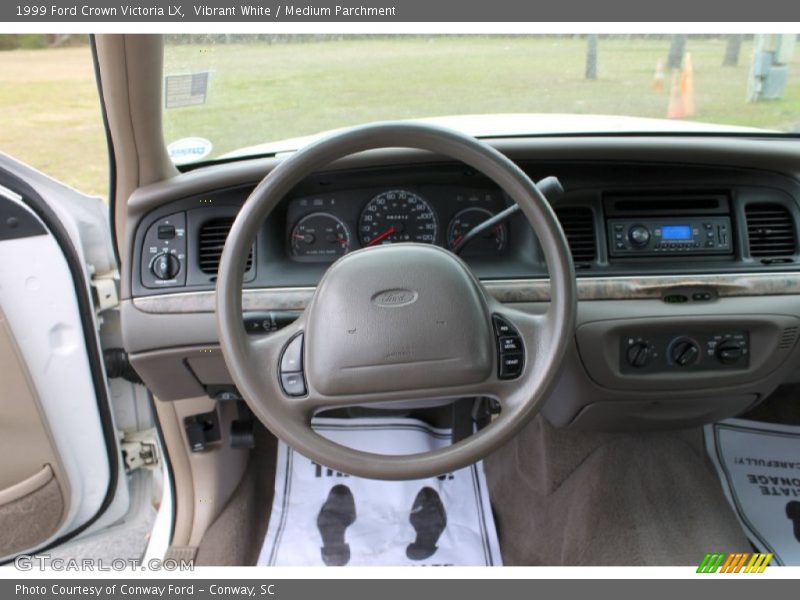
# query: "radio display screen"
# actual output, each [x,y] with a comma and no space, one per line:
[676,232]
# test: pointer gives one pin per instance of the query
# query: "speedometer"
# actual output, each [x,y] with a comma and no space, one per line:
[397,216]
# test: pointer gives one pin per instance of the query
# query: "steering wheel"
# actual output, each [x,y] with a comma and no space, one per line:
[397,322]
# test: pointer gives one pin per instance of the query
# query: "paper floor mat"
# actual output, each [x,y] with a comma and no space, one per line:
[320,516]
[759,467]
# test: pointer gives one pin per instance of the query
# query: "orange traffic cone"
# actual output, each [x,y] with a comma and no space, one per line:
[658,77]
[687,86]
[676,109]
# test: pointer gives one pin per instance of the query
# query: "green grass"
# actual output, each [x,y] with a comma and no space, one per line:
[263,92]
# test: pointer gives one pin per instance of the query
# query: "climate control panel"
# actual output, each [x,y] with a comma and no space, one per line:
[683,352]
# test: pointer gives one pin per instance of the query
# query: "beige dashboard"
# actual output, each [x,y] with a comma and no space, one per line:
[722,303]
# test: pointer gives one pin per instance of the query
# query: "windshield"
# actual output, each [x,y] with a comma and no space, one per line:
[241,95]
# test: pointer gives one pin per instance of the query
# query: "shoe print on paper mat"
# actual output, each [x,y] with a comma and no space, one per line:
[759,467]
[323,517]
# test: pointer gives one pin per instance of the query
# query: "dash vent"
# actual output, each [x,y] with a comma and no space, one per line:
[578,225]
[770,231]
[788,338]
[211,241]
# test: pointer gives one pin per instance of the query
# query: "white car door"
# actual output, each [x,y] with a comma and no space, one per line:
[68,452]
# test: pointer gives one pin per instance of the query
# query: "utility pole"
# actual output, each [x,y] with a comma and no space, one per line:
[732,49]
[676,50]
[591,56]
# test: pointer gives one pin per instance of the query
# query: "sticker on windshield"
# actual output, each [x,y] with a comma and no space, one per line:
[185,90]
[188,150]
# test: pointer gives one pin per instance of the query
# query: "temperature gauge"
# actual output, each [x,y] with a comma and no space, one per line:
[320,235]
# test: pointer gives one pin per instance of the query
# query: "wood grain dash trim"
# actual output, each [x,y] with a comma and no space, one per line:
[509,291]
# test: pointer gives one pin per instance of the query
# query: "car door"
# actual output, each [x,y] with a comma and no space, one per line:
[62,472]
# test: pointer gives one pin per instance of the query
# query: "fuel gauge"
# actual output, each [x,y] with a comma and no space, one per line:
[320,235]
[493,240]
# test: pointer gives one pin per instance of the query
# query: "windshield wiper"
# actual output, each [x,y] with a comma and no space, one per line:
[551,189]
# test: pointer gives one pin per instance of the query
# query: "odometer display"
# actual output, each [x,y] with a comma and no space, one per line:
[397,216]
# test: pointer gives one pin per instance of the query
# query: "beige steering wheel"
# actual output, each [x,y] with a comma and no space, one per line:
[398,322]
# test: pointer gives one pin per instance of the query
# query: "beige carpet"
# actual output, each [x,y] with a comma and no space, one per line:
[570,498]
[236,536]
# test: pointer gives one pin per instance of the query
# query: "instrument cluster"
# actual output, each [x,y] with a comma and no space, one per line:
[323,227]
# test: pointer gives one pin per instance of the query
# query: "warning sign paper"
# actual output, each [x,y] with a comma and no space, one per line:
[759,467]
[323,517]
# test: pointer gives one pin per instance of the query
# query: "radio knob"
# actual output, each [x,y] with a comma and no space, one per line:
[639,235]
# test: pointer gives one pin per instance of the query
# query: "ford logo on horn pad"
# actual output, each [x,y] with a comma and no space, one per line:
[394,298]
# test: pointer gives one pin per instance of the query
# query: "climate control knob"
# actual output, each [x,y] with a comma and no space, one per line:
[639,354]
[729,351]
[165,266]
[639,235]
[684,352]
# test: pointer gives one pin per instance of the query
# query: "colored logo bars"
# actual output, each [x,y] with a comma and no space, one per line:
[740,562]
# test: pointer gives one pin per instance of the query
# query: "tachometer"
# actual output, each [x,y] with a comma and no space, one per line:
[493,239]
[320,235]
[397,216]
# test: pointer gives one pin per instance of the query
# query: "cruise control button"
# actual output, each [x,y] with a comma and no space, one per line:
[510,344]
[503,327]
[510,365]
[292,359]
[293,384]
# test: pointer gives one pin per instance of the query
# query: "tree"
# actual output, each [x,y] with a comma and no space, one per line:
[676,50]
[591,56]
[732,50]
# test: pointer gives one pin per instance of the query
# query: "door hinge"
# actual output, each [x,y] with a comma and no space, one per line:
[140,450]
[104,290]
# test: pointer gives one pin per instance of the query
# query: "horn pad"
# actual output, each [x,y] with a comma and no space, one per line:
[397,317]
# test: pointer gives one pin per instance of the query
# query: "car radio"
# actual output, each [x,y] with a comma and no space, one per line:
[670,236]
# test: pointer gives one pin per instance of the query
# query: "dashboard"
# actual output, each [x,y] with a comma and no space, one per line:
[620,220]
[687,261]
